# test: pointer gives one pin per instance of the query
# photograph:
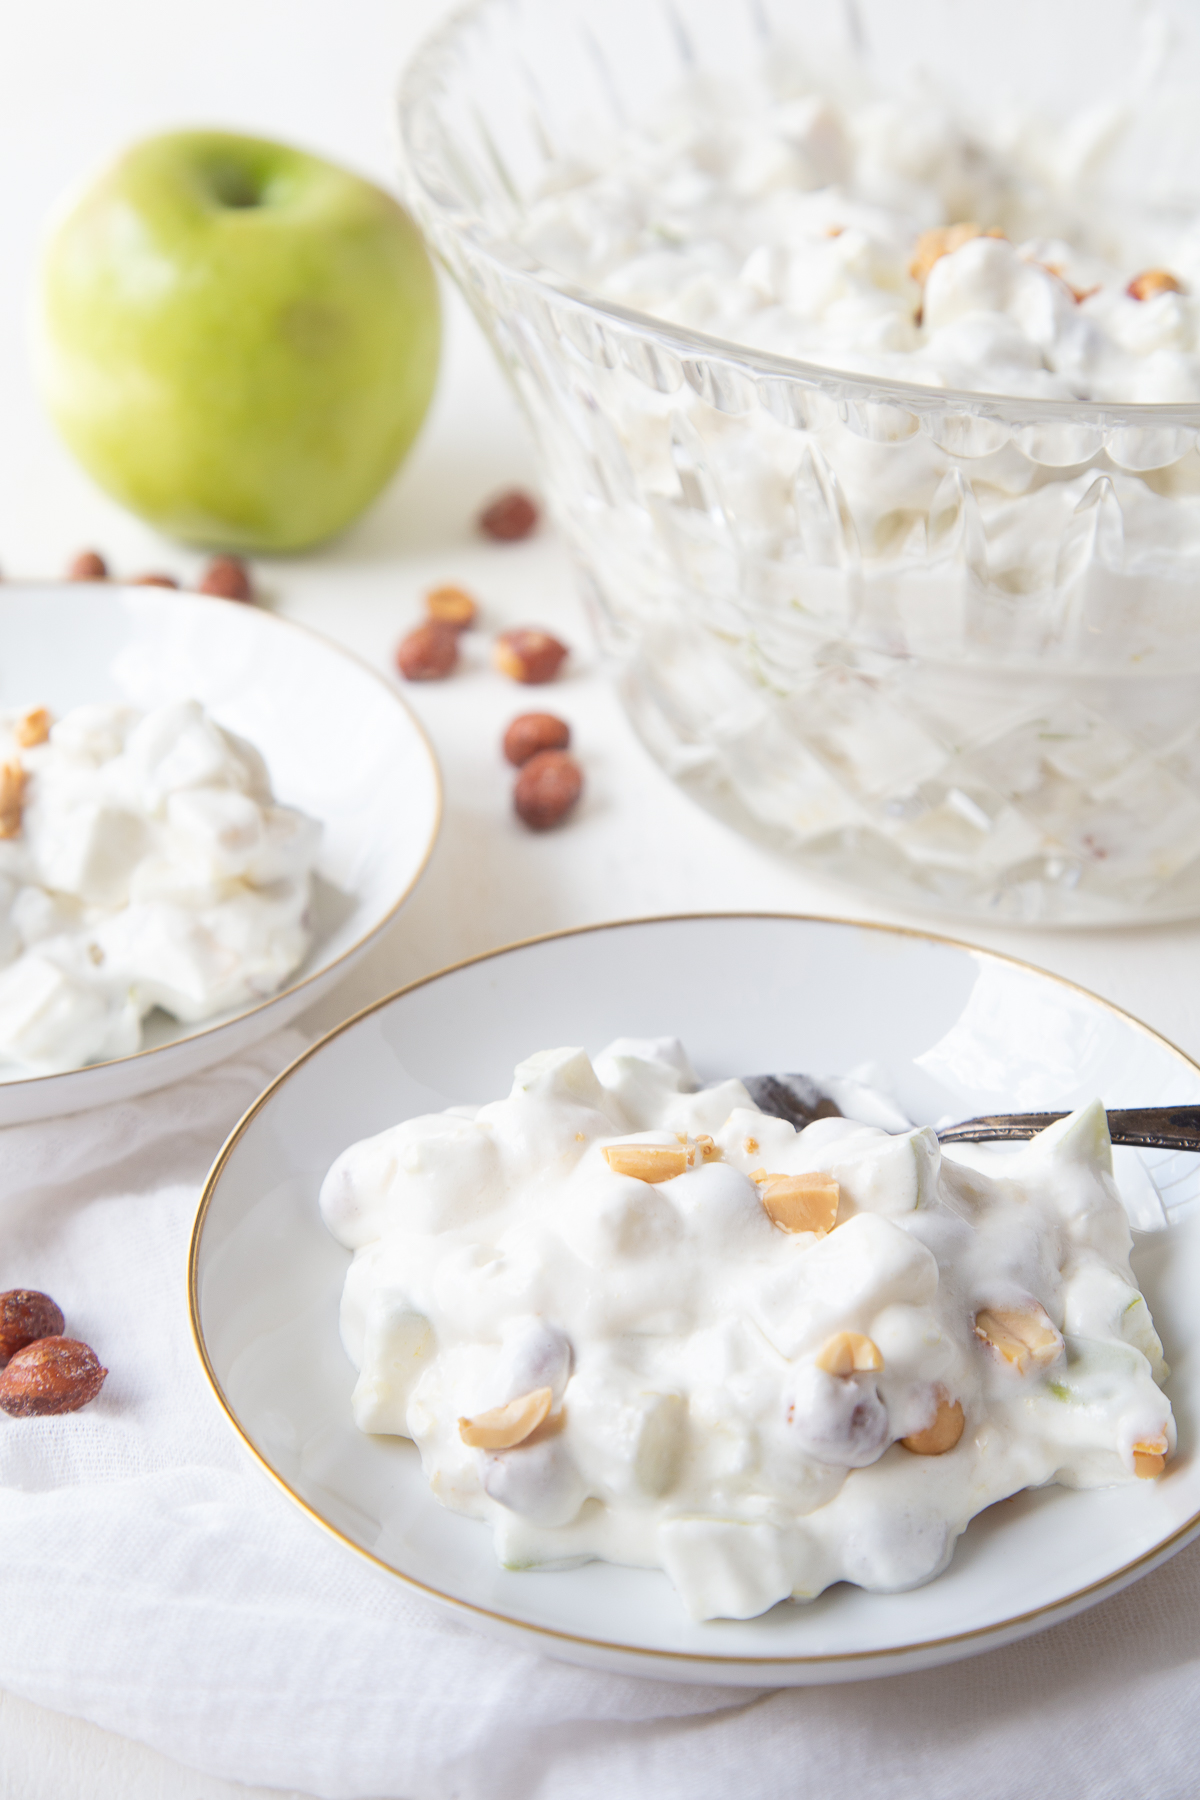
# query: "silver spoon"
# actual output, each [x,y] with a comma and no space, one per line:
[799,1099]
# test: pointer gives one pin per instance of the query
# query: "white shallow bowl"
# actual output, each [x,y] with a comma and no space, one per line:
[961,1031]
[339,743]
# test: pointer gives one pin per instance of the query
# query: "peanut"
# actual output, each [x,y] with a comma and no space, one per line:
[33,727]
[646,1162]
[547,788]
[452,606]
[154,578]
[1025,1339]
[89,565]
[531,732]
[800,1202]
[528,655]
[429,653]
[228,578]
[503,1427]
[1149,1459]
[12,798]
[26,1316]
[849,1353]
[1152,282]
[54,1375]
[508,517]
[942,1435]
[943,240]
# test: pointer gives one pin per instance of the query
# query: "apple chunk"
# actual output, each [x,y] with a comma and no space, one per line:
[238,340]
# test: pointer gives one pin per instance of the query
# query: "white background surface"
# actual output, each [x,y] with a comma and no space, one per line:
[77,81]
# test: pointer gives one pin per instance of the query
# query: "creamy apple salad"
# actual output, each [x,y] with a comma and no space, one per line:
[144,862]
[884,235]
[942,648]
[629,1318]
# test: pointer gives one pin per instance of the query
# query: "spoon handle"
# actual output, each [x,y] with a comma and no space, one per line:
[1149,1127]
[800,1100]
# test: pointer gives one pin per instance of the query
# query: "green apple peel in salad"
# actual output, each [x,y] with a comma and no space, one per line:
[629,1318]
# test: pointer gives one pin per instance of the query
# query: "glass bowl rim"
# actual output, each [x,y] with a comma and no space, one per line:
[433,196]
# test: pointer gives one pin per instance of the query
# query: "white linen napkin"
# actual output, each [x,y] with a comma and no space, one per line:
[154,1581]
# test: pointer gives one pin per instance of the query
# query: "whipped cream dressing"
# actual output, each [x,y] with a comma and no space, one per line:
[144,862]
[797,227]
[653,1372]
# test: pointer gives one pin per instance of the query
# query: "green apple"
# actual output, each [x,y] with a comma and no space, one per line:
[238,340]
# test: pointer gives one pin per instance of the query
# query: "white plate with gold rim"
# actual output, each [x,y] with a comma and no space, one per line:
[338,741]
[960,1031]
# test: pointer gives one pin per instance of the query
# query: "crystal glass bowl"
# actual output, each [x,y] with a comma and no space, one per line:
[807,581]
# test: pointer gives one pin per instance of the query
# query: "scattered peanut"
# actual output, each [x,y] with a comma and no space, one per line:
[54,1375]
[800,1202]
[89,565]
[12,798]
[531,732]
[154,578]
[943,240]
[26,1316]
[547,788]
[429,653]
[503,1427]
[33,727]
[849,1353]
[646,1162]
[1024,1339]
[942,1435]
[1078,295]
[452,606]
[1152,282]
[1149,1459]
[750,1146]
[508,517]
[228,578]
[528,655]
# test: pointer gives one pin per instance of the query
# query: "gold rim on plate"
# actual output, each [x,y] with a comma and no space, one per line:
[1114,1581]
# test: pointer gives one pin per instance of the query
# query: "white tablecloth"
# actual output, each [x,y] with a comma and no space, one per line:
[156,1583]
[153,1582]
